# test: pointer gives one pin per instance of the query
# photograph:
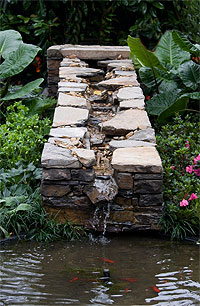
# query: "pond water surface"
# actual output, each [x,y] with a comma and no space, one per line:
[143,271]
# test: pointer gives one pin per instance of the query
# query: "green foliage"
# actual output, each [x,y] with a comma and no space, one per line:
[169,73]
[21,210]
[22,137]
[179,144]
[17,56]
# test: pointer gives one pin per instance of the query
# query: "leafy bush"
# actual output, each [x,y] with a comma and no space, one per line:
[22,137]
[179,146]
[21,211]
[169,72]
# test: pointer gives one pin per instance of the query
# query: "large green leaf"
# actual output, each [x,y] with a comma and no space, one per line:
[169,52]
[9,42]
[192,95]
[161,102]
[151,78]
[168,85]
[181,39]
[146,57]
[18,60]
[23,91]
[179,105]
[38,105]
[189,73]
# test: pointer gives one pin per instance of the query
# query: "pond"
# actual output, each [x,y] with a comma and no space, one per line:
[143,271]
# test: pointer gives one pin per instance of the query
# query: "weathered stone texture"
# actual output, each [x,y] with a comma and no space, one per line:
[86,157]
[138,160]
[71,101]
[125,180]
[135,103]
[54,190]
[129,93]
[87,175]
[151,199]
[56,174]
[148,186]
[70,116]
[126,121]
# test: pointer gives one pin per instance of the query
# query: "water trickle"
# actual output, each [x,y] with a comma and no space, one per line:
[106,215]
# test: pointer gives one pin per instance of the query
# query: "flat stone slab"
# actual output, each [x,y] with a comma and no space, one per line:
[95,52]
[138,159]
[119,81]
[70,116]
[57,157]
[125,65]
[72,101]
[129,93]
[126,121]
[86,157]
[76,62]
[125,72]
[144,135]
[72,85]
[116,144]
[68,132]
[71,89]
[79,71]
[105,63]
[136,103]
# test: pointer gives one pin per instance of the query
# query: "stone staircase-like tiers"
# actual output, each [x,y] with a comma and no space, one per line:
[101,150]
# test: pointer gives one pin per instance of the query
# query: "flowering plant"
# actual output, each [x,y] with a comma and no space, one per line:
[179,146]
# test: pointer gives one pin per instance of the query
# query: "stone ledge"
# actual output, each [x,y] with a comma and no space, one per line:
[138,160]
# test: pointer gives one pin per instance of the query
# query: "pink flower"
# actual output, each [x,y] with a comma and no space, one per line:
[184,203]
[192,197]
[172,167]
[197,172]
[196,159]
[187,144]
[189,169]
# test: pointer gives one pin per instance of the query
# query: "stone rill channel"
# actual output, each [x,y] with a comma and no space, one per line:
[100,161]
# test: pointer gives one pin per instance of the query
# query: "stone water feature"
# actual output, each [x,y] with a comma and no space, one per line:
[100,162]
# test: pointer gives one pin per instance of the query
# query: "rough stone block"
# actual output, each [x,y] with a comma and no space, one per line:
[150,218]
[123,202]
[57,157]
[54,190]
[129,93]
[125,181]
[150,176]
[68,201]
[136,103]
[71,101]
[70,116]
[144,135]
[123,217]
[56,174]
[68,132]
[138,160]
[126,121]
[104,63]
[148,186]
[86,157]
[116,144]
[87,175]
[151,199]
[120,81]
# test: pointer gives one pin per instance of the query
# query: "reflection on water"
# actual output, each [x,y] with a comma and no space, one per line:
[143,271]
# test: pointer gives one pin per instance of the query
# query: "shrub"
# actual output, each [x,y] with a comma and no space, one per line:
[22,137]
[179,146]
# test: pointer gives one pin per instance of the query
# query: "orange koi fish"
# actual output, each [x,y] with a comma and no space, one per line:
[154,288]
[131,280]
[73,279]
[126,290]
[107,260]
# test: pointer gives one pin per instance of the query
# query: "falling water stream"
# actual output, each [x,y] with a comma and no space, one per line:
[143,271]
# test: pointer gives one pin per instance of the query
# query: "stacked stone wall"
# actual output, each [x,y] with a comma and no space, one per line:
[100,160]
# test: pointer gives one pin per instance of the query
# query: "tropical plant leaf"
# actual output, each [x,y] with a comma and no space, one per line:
[23,91]
[159,103]
[23,207]
[168,85]
[146,57]
[181,39]
[179,105]
[151,77]
[38,105]
[192,95]
[169,52]
[190,74]
[9,42]
[16,61]
[5,232]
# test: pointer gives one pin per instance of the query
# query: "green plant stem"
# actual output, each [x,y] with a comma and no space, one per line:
[6,88]
[157,90]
